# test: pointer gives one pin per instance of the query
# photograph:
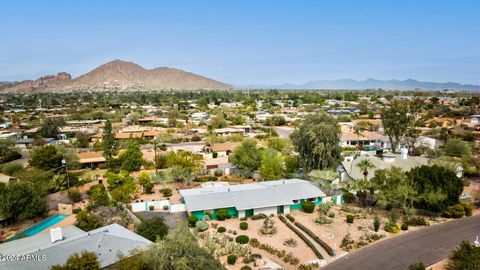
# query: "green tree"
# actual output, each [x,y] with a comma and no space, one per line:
[317,142]
[363,190]
[186,160]
[8,152]
[50,127]
[84,261]
[153,228]
[280,144]
[365,165]
[82,139]
[19,201]
[71,158]
[417,266]
[88,221]
[246,156]
[180,174]
[12,168]
[38,179]
[46,158]
[180,251]
[132,158]
[98,195]
[396,119]
[271,167]
[109,145]
[465,257]
[457,148]
[324,179]
[143,179]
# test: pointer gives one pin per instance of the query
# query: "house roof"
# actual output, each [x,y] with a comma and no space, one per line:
[228,146]
[388,161]
[250,196]
[89,157]
[107,242]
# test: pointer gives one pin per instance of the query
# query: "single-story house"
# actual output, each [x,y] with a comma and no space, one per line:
[43,250]
[90,159]
[245,200]
[223,149]
[27,142]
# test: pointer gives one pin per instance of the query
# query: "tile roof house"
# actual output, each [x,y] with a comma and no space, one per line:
[106,242]
[244,200]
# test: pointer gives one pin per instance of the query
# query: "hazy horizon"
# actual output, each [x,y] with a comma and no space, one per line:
[247,42]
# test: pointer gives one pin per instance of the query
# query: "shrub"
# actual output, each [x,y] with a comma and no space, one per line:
[348,197]
[221,229]
[416,221]
[242,239]
[328,248]
[192,220]
[404,227]
[259,216]
[243,225]
[417,266]
[292,219]
[231,259]
[324,208]
[12,168]
[74,194]
[218,172]
[268,227]
[376,223]
[165,207]
[455,211]
[308,206]
[350,219]
[392,227]
[331,214]
[468,208]
[149,187]
[151,207]
[222,214]
[322,219]
[201,225]
[290,242]
[246,267]
[167,192]
[306,240]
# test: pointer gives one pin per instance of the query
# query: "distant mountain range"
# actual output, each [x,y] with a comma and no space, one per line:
[350,84]
[114,76]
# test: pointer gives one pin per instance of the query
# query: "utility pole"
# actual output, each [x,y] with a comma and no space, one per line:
[155,153]
[64,163]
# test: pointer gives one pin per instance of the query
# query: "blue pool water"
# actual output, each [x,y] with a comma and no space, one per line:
[43,225]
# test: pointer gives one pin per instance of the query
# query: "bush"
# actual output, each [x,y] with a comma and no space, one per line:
[243,225]
[328,248]
[221,229]
[232,259]
[404,227]
[416,221]
[392,227]
[246,267]
[348,197]
[455,211]
[192,220]
[167,192]
[12,168]
[376,223]
[350,219]
[468,208]
[74,194]
[149,187]
[259,216]
[201,225]
[292,219]
[417,266]
[151,207]
[242,239]
[322,219]
[331,215]
[153,228]
[308,206]
[222,214]
[165,207]
[218,172]
[324,208]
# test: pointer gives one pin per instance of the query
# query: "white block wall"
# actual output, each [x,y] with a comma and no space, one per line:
[286,209]
[241,213]
[265,210]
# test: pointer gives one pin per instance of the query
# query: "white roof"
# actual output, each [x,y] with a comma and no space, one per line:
[250,196]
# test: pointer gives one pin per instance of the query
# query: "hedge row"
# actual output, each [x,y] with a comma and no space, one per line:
[297,232]
[317,239]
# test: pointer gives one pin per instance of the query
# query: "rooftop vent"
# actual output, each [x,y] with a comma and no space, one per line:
[56,234]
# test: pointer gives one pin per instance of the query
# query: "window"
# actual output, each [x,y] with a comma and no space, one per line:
[312,199]
[295,201]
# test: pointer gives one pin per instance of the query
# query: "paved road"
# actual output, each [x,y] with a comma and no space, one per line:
[428,245]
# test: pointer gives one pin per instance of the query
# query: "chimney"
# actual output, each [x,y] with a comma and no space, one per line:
[404,153]
[56,234]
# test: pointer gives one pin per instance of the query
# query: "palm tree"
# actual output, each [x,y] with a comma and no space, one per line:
[362,188]
[365,165]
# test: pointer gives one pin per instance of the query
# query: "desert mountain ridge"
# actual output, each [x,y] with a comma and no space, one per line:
[117,75]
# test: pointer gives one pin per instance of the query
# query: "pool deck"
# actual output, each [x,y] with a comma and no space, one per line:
[70,220]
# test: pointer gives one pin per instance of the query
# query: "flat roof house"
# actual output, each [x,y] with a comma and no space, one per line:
[44,250]
[245,200]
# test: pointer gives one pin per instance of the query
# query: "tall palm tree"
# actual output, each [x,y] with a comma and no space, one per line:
[362,188]
[365,165]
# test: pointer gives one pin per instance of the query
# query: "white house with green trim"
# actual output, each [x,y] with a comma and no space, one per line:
[245,200]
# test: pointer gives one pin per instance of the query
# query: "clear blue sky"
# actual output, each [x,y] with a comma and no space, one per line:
[246,41]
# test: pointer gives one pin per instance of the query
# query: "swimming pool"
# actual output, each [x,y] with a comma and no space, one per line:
[43,225]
